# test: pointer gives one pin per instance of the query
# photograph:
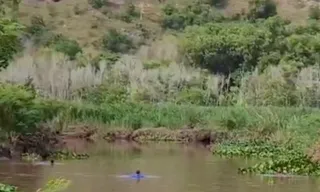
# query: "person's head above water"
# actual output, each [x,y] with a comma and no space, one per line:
[138,172]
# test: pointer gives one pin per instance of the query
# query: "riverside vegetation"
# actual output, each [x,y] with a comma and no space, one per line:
[54,185]
[252,74]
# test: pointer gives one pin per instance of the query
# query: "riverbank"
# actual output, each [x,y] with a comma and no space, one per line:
[42,125]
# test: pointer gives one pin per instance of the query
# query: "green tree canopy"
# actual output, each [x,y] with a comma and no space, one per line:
[10,44]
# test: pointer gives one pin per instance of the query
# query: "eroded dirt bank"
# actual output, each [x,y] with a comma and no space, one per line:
[45,142]
[164,134]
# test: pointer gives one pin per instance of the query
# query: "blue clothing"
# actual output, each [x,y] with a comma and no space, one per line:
[137,176]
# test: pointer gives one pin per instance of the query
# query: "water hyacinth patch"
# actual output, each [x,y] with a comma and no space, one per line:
[277,158]
[299,165]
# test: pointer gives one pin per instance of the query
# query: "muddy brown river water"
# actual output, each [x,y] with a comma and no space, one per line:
[180,168]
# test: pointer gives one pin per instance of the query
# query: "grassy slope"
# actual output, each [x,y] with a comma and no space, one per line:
[79,26]
[289,9]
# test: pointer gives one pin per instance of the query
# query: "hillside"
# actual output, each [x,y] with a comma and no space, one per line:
[79,21]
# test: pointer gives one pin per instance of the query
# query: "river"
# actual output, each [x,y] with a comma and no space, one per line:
[180,168]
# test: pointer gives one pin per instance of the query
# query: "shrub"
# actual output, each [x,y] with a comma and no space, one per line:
[38,31]
[195,13]
[261,9]
[117,42]
[18,109]
[10,44]
[314,12]
[130,13]
[225,48]
[219,3]
[97,4]
[69,47]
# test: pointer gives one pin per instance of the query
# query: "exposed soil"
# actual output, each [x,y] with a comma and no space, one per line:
[46,142]
[164,134]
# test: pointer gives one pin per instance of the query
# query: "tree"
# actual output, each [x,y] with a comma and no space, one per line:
[10,44]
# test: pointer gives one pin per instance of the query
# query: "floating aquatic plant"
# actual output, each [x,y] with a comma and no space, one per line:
[55,185]
[257,149]
[68,155]
[277,158]
[298,165]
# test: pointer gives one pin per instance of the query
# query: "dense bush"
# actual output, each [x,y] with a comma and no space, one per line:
[20,110]
[10,44]
[195,13]
[97,3]
[227,47]
[261,9]
[67,46]
[219,3]
[117,42]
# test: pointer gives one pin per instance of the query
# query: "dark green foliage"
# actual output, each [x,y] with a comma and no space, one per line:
[42,36]
[194,96]
[103,94]
[10,44]
[228,47]
[17,109]
[261,9]
[67,46]
[7,188]
[117,42]
[196,13]
[219,3]
[97,4]
[37,25]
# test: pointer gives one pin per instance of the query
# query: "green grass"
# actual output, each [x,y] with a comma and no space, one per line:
[22,110]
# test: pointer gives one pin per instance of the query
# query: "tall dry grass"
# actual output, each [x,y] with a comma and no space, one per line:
[274,87]
[57,77]
[52,73]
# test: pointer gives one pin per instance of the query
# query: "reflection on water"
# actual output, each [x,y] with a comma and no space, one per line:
[180,169]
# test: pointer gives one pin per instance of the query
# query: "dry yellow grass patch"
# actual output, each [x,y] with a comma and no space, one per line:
[87,27]
[294,10]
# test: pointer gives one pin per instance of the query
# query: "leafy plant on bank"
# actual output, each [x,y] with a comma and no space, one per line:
[10,44]
[7,188]
[54,185]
